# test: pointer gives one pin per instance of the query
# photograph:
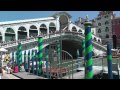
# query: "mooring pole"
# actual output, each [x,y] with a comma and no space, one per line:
[109,60]
[88,50]
[40,54]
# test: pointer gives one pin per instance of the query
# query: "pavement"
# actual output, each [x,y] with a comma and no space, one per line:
[8,76]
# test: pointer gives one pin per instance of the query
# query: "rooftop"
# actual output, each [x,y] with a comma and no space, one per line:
[116,18]
[26,20]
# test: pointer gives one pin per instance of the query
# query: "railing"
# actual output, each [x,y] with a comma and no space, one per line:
[50,37]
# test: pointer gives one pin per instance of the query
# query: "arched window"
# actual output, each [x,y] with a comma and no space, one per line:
[99,24]
[9,34]
[51,25]
[106,22]
[99,18]
[100,36]
[106,16]
[43,29]
[99,30]
[43,26]
[106,29]
[22,29]
[33,27]
[52,28]
[74,29]
[98,40]
[33,31]
[107,36]
[10,30]
[95,39]
[22,33]
[79,30]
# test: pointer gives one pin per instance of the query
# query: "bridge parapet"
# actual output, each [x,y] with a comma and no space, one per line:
[32,42]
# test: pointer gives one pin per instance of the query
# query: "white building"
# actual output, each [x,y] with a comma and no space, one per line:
[22,29]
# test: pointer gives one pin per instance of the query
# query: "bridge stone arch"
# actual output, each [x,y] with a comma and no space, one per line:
[22,32]
[9,34]
[71,46]
[43,29]
[52,27]
[33,31]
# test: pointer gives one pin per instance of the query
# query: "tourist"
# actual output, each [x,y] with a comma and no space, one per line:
[15,69]
[8,68]
[22,68]
[1,71]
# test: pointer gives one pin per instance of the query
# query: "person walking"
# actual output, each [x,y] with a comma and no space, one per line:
[1,71]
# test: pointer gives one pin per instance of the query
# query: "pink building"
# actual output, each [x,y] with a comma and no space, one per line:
[116,29]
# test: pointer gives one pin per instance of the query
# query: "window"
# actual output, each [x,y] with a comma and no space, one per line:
[95,39]
[98,18]
[80,30]
[116,22]
[106,22]
[100,36]
[22,29]
[118,37]
[107,36]
[106,29]
[106,16]
[74,29]
[99,30]
[113,29]
[119,21]
[99,24]
[33,27]
[112,22]
[98,40]
[10,30]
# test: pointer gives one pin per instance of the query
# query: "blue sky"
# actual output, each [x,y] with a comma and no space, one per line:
[20,15]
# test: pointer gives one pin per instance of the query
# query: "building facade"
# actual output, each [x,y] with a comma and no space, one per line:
[80,22]
[23,29]
[116,29]
[103,23]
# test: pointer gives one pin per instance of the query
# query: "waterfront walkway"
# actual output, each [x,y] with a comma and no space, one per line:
[26,75]
[8,76]
[81,74]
